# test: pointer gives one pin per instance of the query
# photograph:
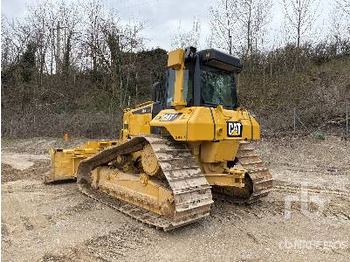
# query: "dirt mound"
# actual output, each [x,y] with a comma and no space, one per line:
[36,171]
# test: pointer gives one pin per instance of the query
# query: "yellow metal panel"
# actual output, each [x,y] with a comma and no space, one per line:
[176,126]
[224,150]
[235,178]
[136,121]
[197,123]
[175,58]
[140,191]
[176,61]
[250,127]
[200,125]
[139,124]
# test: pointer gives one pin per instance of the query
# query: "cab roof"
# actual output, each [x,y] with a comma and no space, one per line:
[218,59]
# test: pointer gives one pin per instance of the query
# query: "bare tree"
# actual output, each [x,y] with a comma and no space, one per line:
[344,5]
[187,38]
[6,43]
[239,25]
[111,46]
[223,25]
[339,29]
[254,15]
[70,19]
[92,34]
[300,16]
[342,9]
[15,37]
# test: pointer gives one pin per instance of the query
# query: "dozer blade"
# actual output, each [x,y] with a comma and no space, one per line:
[64,162]
[190,194]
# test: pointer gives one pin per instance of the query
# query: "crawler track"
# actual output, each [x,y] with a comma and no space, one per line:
[259,183]
[192,193]
[257,171]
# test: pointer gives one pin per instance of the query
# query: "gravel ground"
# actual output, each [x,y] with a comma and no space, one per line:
[57,223]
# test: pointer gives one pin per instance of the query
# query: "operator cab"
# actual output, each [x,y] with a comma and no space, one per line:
[207,79]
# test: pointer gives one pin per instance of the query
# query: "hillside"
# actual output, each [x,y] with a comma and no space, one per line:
[90,103]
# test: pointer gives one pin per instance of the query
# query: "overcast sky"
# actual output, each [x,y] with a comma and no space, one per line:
[162,17]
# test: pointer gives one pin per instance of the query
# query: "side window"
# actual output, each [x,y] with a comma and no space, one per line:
[170,87]
[188,87]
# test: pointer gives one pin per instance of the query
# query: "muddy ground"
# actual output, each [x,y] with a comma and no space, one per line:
[57,223]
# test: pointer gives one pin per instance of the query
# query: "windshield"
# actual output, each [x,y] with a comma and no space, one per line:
[217,87]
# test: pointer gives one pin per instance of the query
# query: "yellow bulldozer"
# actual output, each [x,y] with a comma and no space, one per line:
[173,152]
